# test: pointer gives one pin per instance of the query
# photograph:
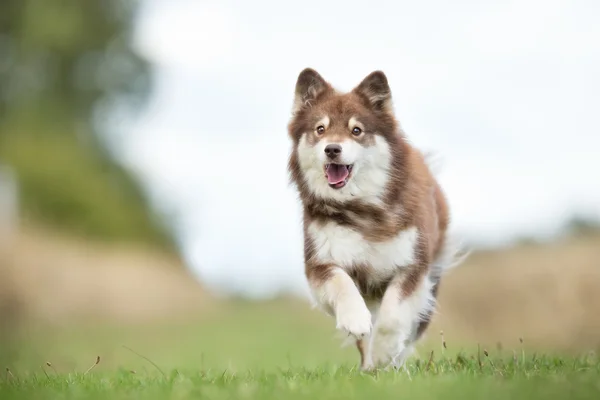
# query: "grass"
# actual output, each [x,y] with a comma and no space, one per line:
[546,378]
[271,351]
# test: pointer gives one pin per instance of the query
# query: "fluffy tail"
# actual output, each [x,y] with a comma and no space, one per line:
[434,161]
[452,255]
[454,252]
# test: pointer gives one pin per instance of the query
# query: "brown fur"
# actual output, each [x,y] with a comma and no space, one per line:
[360,345]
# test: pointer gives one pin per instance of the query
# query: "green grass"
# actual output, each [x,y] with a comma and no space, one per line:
[272,351]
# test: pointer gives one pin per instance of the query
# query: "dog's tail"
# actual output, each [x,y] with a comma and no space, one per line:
[453,254]
[433,161]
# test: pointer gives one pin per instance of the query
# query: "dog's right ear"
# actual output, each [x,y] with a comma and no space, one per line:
[309,87]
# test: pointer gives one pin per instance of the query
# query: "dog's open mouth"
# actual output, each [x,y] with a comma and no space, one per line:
[338,174]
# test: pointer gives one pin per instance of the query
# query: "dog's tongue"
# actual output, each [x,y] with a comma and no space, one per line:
[336,173]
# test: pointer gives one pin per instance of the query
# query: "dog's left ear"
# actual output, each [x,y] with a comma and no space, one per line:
[376,91]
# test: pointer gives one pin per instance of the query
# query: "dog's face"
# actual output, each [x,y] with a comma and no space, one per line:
[343,142]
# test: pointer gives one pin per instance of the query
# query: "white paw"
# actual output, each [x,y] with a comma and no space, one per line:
[390,349]
[383,349]
[354,318]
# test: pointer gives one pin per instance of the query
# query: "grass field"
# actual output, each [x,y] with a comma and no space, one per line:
[544,379]
[272,350]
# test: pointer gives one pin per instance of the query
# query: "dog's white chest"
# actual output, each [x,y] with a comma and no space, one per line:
[347,248]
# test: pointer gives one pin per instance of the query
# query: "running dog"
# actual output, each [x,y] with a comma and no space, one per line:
[375,218]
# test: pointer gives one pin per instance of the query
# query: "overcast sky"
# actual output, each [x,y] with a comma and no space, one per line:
[507,93]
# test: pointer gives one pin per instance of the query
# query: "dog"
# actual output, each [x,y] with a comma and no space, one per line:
[375,219]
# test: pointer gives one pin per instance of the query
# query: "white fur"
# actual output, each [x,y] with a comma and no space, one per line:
[353,122]
[351,151]
[339,296]
[385,97]
[370,173]
[323,121]
[453,254]
[396,325]
[302,100]
[394,319]
[346,247]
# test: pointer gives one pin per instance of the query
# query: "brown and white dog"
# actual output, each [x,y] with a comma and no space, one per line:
[375,218]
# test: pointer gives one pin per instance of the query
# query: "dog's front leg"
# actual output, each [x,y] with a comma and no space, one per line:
[337,294]
[407,301]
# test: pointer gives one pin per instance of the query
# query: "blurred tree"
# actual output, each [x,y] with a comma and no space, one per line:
[582,225]
[63,65]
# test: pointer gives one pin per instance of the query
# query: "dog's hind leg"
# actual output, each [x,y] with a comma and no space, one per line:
[425,319]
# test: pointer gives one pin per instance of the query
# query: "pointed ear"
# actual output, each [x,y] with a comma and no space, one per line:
[375,91]
[309,86]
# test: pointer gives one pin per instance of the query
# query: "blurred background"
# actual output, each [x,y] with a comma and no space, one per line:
[144,198]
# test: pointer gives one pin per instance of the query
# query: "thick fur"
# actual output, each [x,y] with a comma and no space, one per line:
[375,249]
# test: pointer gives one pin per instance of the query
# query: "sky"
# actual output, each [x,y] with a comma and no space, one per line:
[507,95]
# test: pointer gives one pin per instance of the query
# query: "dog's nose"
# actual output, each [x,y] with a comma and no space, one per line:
[333,150]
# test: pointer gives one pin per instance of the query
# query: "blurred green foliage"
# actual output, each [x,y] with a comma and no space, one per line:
[65,66]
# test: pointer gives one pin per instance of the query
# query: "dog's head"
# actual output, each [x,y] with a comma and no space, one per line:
[344,143]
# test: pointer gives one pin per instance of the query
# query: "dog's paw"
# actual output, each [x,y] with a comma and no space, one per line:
[354,318]
[390,350]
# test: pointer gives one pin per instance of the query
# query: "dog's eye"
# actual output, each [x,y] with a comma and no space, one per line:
[320,129]
[356,131]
